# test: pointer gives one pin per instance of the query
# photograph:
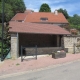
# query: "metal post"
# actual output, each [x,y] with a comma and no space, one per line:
[17,45]
[74,48]
[36,51]
[21,54]
[2,29]
[57,40]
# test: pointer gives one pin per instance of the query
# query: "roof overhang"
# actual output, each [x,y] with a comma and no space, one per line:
[35,28]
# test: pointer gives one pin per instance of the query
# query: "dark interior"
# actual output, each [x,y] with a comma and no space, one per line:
[41,40]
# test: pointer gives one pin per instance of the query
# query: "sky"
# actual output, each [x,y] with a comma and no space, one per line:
[72,6]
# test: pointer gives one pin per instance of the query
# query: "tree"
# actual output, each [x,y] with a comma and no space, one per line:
[64,12]
[75,21]
[45,8]
[17,5]
[11,7]
[8,13]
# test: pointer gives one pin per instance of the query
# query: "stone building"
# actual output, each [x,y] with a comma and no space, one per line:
[46,30]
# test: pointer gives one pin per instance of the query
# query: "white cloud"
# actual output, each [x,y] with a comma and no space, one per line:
[51,1]
[45,1]
[58,1]
[36,10]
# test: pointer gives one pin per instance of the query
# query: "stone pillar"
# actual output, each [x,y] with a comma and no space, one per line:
[62,42]
[14,46]
[57,40]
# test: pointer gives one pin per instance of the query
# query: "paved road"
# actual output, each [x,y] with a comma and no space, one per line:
[69,71]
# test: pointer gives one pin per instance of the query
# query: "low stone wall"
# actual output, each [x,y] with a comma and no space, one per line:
[41,50]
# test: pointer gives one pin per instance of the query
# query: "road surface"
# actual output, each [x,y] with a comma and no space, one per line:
[69,71]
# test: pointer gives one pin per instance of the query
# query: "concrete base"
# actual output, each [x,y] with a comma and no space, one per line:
[34,56]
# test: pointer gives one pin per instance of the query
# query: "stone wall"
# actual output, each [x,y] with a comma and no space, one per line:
[69,42]
[41,50]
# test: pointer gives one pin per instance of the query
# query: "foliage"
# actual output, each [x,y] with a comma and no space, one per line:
[11,7]
[74,21]
[64,11]
[45,8]
[17,5]
[6,41]
[8,13]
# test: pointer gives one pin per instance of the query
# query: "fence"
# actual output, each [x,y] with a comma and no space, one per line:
[32,51]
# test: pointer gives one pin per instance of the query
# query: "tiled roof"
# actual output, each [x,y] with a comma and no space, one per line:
[19,16]
[36,28]
[35,17]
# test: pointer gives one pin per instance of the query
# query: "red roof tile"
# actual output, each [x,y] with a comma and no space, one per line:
[19,16]
[36,28]
[35,17]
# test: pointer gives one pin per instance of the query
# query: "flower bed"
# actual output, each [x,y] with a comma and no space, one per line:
[59,54]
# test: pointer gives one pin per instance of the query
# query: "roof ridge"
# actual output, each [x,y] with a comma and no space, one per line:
[25,18]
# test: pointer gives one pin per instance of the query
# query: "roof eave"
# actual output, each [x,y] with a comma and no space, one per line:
[38,33]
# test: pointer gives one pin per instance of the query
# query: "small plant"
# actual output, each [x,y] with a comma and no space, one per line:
[17,64]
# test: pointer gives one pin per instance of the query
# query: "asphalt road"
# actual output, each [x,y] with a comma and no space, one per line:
[69,71]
